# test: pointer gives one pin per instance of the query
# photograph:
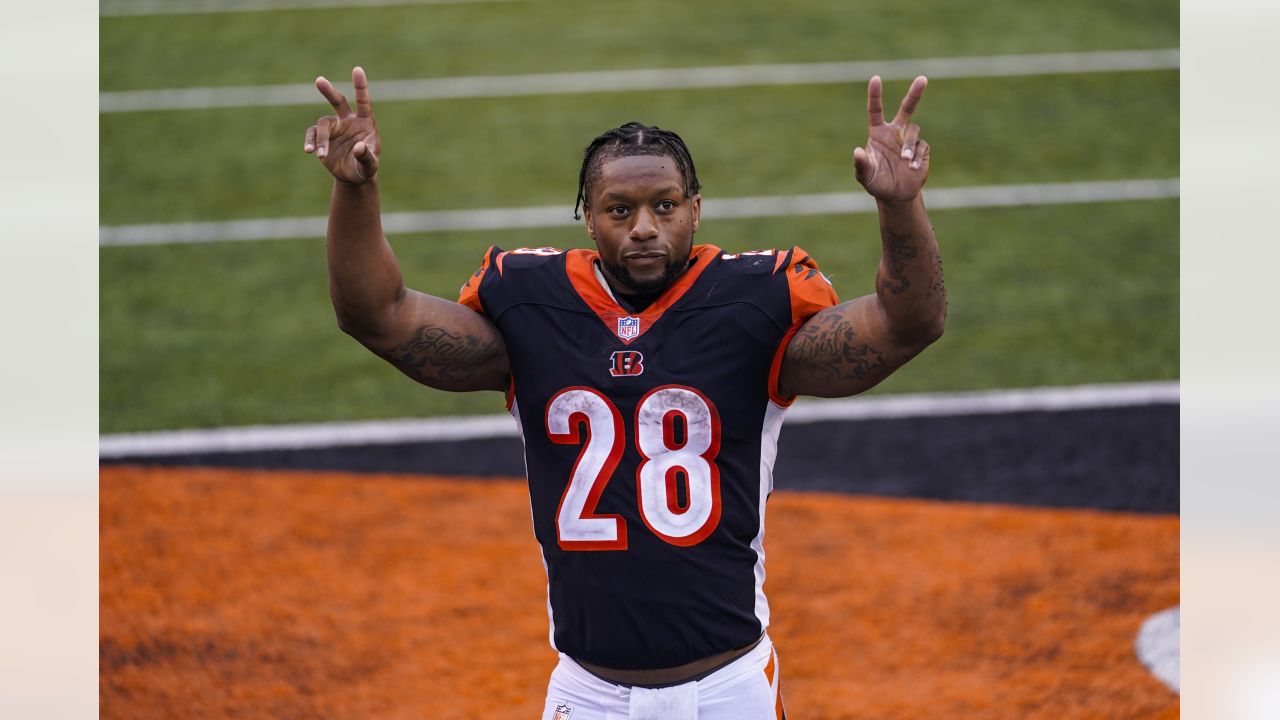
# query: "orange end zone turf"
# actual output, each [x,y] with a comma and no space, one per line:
[231,593]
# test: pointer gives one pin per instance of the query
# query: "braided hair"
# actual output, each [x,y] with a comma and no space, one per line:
[633,139]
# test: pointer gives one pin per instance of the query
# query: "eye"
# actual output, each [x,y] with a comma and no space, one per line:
[618,211]
[666,205]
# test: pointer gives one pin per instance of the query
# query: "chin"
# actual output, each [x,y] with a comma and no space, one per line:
[648,285]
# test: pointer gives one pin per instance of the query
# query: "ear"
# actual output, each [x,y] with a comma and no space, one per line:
[696,208]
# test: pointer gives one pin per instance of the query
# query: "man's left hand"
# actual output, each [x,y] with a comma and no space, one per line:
[894,164]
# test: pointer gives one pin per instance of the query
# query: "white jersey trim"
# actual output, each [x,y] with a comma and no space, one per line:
[773,417]
[551,618]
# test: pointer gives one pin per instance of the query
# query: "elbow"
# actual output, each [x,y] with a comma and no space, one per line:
[918,343]
[357,326]
[365,317]
[347,322]
[346,326]
[922,336]
[933,331]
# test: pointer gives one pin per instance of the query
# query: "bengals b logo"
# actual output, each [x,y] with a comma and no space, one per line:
[626,362]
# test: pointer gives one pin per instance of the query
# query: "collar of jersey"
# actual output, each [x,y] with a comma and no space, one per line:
[581,267]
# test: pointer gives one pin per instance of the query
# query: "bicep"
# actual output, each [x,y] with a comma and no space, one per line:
[441,344]
[842,350]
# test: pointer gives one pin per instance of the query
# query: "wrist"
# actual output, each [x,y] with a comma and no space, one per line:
[900,204]
[365,186]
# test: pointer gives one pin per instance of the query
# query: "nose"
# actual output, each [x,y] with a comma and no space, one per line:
[645,226]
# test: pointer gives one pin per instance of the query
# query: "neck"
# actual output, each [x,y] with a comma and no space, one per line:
[636,302]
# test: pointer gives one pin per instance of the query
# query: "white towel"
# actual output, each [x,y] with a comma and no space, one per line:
[678,702]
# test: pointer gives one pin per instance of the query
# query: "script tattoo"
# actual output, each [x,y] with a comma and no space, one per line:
[828,348]
[899,248]
[440,358]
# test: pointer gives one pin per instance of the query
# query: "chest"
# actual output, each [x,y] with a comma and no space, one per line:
[722,351]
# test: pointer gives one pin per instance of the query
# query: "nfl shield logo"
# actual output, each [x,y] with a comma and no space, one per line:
[562,712]
[628,327]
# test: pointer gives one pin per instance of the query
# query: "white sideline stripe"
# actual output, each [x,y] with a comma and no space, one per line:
[1049,399]
[712,209]
[649,79]
[137,8]
[391,432]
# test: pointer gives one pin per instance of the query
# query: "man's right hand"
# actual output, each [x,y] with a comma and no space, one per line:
[347,143]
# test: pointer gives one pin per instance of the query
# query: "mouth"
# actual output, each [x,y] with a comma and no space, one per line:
[644,256]
[645,263]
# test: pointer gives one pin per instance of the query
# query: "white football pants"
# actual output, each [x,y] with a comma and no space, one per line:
[745,689]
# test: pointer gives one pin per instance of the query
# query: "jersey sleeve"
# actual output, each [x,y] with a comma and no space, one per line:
[809,289]
[469,295]
[810,292]
[506,277]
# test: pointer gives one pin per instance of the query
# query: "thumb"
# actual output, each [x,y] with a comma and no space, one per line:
[864,165]
[367,158]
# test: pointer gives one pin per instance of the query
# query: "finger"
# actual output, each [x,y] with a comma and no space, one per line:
[367,158]
[309,145]
[864,166]
[323,127]
[364,104]
[875,106]
[921,156]
[909,138]
[909,103]
[334,97]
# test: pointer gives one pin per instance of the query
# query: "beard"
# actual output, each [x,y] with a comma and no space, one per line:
[670,273]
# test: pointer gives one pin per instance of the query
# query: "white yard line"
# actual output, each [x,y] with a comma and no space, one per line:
[712,209]
[137,8]
[649,79]
[391,432]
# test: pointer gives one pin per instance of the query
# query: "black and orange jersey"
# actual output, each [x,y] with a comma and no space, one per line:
[649,441]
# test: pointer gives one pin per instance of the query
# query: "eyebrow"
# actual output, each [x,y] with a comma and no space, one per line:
[669,190]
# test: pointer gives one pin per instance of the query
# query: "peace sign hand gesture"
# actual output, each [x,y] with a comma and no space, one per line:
[347,143]
[895,163]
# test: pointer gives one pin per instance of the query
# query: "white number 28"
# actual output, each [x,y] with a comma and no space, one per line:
[666,455]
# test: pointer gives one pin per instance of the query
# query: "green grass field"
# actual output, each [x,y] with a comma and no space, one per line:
[242,333]
[565,35]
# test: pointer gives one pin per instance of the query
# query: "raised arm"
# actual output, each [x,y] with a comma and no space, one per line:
[432,340]
[846,349]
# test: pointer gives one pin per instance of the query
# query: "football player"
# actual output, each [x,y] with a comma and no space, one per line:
[649,377]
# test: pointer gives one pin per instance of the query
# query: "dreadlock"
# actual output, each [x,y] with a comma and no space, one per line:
[633,139]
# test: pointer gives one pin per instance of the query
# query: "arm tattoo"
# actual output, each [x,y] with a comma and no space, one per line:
[937,284]
[827,347]
[899,248]
[439,358]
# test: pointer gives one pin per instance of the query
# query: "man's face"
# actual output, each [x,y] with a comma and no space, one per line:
[641,222]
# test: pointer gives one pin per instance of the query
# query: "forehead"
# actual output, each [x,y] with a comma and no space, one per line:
[638,172]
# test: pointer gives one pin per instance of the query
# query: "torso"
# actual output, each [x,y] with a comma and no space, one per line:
[649,442]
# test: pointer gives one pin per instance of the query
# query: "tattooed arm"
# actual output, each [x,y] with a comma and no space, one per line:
[432,340]
[846,349]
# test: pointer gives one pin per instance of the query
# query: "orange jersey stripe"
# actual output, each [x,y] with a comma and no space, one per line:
[580,265]
[469,295]
[811,292]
